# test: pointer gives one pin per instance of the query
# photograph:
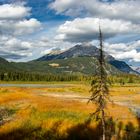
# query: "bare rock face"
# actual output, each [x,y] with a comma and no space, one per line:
[76,51]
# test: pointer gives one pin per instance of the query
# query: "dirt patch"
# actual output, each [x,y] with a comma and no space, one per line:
[67,96]
[127,101]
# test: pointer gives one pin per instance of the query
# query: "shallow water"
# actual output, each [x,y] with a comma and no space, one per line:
[34,85]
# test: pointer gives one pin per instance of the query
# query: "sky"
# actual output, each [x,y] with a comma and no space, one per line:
[30,29]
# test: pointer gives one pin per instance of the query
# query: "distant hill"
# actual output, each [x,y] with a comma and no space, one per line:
[88,51]
[6,66]
[75,65]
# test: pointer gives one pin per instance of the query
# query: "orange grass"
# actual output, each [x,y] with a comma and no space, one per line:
[39,110]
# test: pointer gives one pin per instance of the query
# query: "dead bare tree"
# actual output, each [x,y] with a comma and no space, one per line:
[99,88]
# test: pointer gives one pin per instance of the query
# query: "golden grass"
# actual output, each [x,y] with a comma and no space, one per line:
[34,109]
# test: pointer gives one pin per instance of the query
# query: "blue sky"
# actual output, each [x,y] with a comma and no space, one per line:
[31,28]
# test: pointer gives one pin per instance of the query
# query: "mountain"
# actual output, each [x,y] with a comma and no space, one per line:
[81,59]
[122,66]
[6,66]
[85,50]
[73,65]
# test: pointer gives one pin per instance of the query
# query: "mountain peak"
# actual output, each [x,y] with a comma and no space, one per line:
[86,44]
[79,50]
[55,51]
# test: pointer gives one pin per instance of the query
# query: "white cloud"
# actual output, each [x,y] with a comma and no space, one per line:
[16,44]
[132,55]
[124,51]
[54,45]
[13,48]
[13,26]
[12,11]
[86,29]
[13,20]
[62,5]
[27,26]
[21,27]
[12,44]
[119,9]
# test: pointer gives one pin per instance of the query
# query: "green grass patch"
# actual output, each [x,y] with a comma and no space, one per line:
[58,115]
[4,91]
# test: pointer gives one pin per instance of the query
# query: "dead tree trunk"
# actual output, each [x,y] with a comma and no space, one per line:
[99,88]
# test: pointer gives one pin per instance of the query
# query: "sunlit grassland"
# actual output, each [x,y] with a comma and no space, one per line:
[35,114]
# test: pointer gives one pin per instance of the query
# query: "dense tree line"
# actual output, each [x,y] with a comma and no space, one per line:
[26,76]
[125,78]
